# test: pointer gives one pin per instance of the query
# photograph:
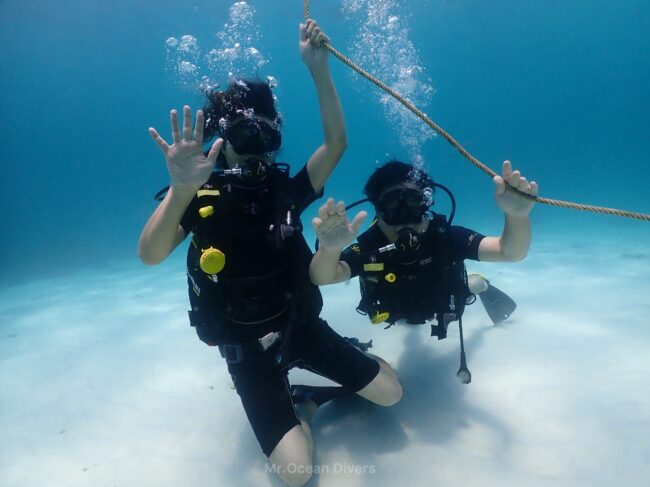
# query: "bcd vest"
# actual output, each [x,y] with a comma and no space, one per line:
[432,284]
[256,230]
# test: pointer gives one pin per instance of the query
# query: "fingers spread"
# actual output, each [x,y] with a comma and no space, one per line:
[322,212]
[173,120]
[214,151]
[164,146]
[331,207]
[198,128]
[187,123]
[358,220]
[340,208]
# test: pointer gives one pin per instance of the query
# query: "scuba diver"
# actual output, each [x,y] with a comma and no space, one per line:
[248,262]
[410,262]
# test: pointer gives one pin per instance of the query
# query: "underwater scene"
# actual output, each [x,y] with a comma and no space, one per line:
[186,301]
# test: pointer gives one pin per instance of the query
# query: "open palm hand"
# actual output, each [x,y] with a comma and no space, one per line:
[332,227]
[187,165]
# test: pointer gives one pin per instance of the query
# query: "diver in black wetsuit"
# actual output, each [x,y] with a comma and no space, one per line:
[248,263]
[410,262]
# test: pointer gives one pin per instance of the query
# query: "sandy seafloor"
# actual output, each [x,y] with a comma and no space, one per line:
[105,384]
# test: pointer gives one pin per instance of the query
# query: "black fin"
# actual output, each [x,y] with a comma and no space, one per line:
[318,394]
[498,305]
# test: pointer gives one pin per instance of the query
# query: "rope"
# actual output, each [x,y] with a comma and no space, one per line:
[440,131]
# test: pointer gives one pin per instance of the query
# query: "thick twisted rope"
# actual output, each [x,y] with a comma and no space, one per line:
[440,131]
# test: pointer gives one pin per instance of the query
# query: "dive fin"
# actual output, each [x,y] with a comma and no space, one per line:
[498,305]
[318,394]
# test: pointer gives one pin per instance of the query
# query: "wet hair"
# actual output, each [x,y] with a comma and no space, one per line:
[240,97]
[392,173]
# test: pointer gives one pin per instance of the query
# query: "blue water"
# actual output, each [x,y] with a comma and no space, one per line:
[560,88]
[102,375]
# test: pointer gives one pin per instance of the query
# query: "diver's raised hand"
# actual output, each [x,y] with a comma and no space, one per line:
[511,202]
[332,227]
[311,41]
[188,167]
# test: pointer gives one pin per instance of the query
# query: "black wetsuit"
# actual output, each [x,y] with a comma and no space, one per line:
[262,288]
[419,286]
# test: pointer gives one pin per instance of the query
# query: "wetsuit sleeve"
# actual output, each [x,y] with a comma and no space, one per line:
[303,191]
[352,257]
[466,242]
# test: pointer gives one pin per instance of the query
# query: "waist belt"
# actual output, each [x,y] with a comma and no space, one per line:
[237,352]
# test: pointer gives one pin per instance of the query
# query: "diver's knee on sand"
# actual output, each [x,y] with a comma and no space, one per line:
[291,458]
[385,389]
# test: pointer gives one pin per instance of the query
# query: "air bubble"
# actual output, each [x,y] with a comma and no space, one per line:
[234,55]
[382,46]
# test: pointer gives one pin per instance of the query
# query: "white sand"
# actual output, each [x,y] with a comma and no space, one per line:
[103,383]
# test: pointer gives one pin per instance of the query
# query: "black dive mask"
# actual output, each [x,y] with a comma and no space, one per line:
[253,136]
[403,206]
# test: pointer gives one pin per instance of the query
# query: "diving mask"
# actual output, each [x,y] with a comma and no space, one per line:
[253,136]
[403,206]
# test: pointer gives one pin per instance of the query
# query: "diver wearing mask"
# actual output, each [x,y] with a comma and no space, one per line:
[403,211]
[252,143]
[410,262]
[415,276]
[248,262]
